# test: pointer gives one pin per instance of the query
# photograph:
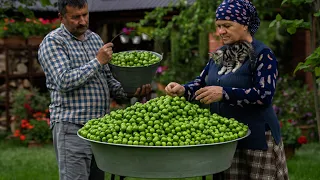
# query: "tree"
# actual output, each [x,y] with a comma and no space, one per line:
[20,6]
[310,20]
[188,31]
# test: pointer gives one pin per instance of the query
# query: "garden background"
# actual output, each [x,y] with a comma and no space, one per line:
[184,32]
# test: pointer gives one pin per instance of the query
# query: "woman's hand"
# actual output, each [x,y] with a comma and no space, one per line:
[174,89]
[209,94]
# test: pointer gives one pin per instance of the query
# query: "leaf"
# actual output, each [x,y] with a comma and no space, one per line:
[298,22]
[292,30]
[45,2]
[309,1]
[272,23]
[317,14]
[284,1]
[317,71]
[301,66]
[278,17]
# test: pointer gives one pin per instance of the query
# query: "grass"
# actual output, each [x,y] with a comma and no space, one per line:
[21,163]
[306,163]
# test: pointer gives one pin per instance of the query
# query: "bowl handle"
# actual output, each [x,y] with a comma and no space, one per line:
[135,30]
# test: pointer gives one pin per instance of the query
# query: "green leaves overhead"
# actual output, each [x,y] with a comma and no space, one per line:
[312,63]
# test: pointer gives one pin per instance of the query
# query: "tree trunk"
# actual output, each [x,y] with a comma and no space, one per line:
[314,41]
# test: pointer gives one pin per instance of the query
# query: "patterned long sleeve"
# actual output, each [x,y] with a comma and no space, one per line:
[265,79]
[80,87]
[57,63]
[199,82]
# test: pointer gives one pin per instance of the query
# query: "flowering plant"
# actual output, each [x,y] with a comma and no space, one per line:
[294,107]
[30,116]
[36,129]
[163,75]
[129,31]
[291,135]
[294,101]
[28,27]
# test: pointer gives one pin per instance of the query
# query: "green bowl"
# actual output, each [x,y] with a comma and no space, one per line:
[164,161]
[132,78]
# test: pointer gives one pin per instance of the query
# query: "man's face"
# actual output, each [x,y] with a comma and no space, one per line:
[76,20]
[230,31]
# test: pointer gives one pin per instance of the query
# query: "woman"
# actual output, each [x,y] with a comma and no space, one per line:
[245,95]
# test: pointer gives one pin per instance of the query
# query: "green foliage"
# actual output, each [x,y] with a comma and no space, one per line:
[291,25]
[187,31]
[294,105]
[311,64]
[30,114]
[266,35]
[25,102]
[40,132]
[19,6]
[289,132]
[293,100]
[27,27]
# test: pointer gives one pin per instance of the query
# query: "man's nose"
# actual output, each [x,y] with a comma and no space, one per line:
[82,20]
[221,30]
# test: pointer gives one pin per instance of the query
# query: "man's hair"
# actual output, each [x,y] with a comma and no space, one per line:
[62,4]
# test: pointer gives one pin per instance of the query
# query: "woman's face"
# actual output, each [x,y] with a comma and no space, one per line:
[231,31]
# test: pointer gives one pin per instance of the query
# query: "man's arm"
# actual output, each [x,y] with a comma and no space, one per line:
[55,62]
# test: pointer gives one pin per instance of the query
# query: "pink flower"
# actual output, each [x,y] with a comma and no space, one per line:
[127,31]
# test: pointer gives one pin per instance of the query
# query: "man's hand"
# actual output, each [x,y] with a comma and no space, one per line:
[209,94]
[144,91]
[105,54]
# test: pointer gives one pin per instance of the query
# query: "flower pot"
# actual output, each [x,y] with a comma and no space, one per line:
[305,129]
[144,36]
[32,144]
[289,151]
[34,40]
[124,39]
[14,41]
[136,40]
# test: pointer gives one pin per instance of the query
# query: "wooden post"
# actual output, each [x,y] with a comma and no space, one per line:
[313,41]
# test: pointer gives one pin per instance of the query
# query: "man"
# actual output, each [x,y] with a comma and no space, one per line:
[75,60]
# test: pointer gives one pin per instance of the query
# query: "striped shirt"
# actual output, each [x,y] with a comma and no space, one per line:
[265,78]
[80,87]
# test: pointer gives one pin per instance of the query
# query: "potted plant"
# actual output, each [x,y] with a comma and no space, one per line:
[291,137]
[34,131]
[292,100]
[16,32]
[13,32]
[125,35]
[39,28]
[30,116]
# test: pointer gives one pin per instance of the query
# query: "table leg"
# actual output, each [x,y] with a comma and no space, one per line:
[203,177]
[122,177]
[112,177]
[218,176]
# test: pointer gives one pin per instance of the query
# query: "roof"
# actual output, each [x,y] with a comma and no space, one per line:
[115,5]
